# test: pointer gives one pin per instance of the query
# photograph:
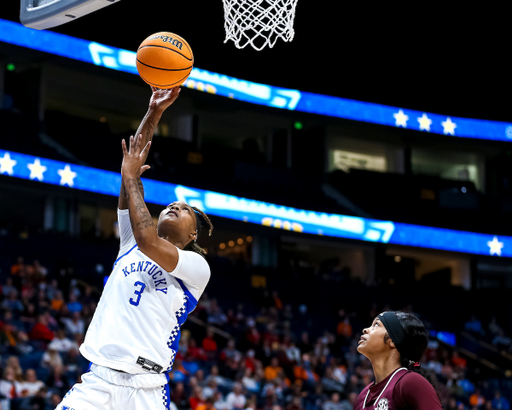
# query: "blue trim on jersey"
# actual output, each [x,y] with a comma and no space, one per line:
[187,292]
[122,256]
[189,304]
[167,401]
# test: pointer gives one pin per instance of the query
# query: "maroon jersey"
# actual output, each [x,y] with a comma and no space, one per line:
[401,390]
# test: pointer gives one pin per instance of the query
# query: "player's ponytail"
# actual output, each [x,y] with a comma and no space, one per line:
[414,345]
[200,216]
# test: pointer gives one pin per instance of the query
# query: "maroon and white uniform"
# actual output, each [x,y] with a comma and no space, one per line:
[401,390]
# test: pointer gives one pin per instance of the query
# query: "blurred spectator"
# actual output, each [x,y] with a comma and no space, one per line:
[61,343]
[250,382]
[230,352]
[30,386]
[195,352]
[235,399]
[278,304]
[334,403]
[329,383]
[458,361]
[209,344]
[499,402]
[51,358]
[207,405]
[476,399]
[252,334]
[501,341]
[350,402]
[219,402]
[210,389]
[75,325]
[13,304]
[473,325]
[196,398]
[9,386]
[14,363]
[52,289]
[179,396]
[41,331]
[18,272]
[344,330]
[295,404]
[293,353]
[273,370]
[74,305]
[494,327]
[8,288]
[39,270]
[216,316]
[57,302]
[220,380]
[55,399]
[58,381]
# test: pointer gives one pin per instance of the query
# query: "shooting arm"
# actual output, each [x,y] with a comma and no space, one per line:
[159,102]
[143,227]
[147,129]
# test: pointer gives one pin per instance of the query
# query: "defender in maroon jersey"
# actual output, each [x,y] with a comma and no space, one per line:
[394,344]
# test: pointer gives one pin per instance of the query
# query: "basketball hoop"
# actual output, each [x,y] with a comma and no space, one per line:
[258,22]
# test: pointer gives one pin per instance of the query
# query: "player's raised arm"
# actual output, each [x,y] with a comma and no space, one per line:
[160,100]
[145,233]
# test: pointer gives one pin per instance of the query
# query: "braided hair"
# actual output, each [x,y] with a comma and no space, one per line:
[200,217]
[414,345]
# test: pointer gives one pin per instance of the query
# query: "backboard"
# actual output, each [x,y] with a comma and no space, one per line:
[42,14]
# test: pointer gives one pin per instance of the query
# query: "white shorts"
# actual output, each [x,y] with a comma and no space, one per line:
[106,389]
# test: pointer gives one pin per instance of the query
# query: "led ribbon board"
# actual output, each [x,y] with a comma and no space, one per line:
[124,60]
[262,213]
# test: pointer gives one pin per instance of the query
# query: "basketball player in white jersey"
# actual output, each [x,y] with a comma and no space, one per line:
[155,283]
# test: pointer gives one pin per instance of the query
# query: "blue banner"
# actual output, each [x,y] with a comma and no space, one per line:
[262,213]
[262,94]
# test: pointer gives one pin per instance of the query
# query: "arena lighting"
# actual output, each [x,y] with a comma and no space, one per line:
[262,213]
[262,94]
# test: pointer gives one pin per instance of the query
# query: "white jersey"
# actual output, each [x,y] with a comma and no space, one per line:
[136,326]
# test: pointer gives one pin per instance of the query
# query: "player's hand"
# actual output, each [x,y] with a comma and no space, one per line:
[163,98]
[134,157]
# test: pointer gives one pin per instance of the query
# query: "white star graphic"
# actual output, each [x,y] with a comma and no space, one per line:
[66,176]
[448,126]
[495,246]
[7,164]
[36,170]
[400,119]
[425,122]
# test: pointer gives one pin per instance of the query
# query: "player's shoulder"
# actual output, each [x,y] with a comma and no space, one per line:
[413,379]
[196,257]
[192,260]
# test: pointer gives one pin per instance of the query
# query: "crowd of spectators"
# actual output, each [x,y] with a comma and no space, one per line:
[233,354]
[492,333]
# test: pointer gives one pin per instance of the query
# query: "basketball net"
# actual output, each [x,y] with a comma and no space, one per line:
[258,22]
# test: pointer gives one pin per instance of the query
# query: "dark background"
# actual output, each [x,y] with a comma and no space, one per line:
[436,58]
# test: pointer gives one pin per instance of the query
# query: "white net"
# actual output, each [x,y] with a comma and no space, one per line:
[258,22]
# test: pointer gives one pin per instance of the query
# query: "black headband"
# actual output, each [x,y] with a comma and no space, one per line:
[394,328]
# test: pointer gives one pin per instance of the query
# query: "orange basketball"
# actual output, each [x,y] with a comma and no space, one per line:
[164,60]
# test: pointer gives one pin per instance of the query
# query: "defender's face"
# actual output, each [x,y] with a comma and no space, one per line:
[372,340]
[178,216]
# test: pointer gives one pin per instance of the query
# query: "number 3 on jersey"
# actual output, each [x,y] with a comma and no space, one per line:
[138,292]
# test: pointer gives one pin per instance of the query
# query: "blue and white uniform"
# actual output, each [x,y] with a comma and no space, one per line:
[133,337]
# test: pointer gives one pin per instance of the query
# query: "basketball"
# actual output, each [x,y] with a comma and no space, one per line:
[164,60]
